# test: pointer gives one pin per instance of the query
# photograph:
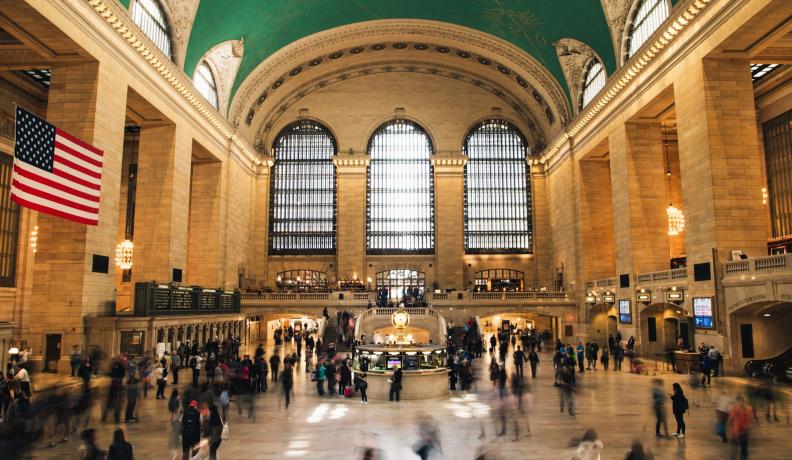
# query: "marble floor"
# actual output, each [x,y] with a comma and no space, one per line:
[615,404]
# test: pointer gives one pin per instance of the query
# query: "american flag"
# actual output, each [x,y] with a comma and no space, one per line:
[54,172]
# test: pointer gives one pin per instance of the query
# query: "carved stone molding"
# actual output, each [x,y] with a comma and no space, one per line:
[616,12]
[224,59]
[528,113]
[181,15]
[573,56]
[346,38]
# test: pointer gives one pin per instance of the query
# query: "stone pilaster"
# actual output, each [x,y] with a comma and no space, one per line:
[596,220]
[162,203]
[351,229]
[449,174]
[721,161]
[260,221]
[207,203]
[542,236]
[639,202]
[88,101]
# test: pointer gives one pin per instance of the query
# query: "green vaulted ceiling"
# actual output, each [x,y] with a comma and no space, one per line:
[268,25]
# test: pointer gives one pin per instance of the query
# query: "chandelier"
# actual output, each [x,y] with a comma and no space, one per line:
[676,220]
[124,255]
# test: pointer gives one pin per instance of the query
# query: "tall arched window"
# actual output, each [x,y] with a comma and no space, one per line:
[148,15]
[205,83]
[400,198]
[497,191]
[649,15]
[593,83]
[302,191]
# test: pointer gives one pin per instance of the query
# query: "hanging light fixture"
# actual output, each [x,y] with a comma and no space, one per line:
[124,255]
[676,219]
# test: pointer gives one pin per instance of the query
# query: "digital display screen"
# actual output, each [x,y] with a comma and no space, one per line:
[625,312]
[702,312]
[394,361]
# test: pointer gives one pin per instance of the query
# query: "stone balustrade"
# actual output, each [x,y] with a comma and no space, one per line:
[775,264]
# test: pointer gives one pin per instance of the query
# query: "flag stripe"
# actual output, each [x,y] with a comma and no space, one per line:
[90,202]
[77,154]
[41,176]
[53,209]
[66,174]
[66,162]
[78,143]
[41,193]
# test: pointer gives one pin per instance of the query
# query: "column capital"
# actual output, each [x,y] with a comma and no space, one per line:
[355,163]
[449,162]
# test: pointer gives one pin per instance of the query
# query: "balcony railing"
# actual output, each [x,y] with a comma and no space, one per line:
[759,265]
[664,275]
[362,299]
[603,283]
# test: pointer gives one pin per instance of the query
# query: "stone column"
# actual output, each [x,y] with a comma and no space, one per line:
[162,202]
[260,223]
[721,161]
[351,230]
[87,101]
[542,238]
[449,176]
[596,220]
[205,264]
[639,198]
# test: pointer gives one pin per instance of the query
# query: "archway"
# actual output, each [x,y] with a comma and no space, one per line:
[760,331]
[662,325]
[520,323]
[602,323]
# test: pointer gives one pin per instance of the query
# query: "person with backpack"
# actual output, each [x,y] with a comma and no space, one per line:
[214,431]
[679,405]
[190,429]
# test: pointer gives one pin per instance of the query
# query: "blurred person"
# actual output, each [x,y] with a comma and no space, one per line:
[589,447]
[190,429]
[429,438]
[132,393]
[287,381]
[502,381]
[362,386]
[114,399]
[120,449]
[637,452]
[175,366]
[494,372]
[275,362]
[738,427]
[566,388]
[605,358]
[23,377]
[579,352]
[174,405]
[321,375]
[74,360]
[618,357]
[679,405]
[213,431]
[716,358]
[658,407]
[722,408]
[160,379]
[706,369]
[86,370]
[89,450]
[519,359]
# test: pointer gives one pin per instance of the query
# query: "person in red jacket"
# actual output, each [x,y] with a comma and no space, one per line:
[739,426]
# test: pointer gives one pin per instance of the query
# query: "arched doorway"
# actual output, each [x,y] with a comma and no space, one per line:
[400,285]
[662,325]
[759,331]
[602,323]
[499,279]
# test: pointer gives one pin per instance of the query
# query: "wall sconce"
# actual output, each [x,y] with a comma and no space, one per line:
[34,239]
[764,195]
[124,255]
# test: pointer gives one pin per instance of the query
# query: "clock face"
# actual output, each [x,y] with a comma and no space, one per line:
[400,319]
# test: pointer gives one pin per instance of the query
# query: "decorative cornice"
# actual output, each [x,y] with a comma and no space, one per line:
[375,31]
[528,116]
[627,74]
[123,25]
[351,160]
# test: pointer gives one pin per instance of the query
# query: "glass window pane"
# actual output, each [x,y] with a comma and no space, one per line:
[205,83]
[400,201]
[148,16]
[649,16]
[497,192]
[302,198]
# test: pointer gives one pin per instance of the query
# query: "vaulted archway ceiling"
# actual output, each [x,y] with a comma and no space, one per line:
[267,26]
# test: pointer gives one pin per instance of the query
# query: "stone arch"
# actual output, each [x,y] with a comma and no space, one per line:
[574,57]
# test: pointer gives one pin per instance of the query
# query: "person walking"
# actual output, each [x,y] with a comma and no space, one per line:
[741,418]
[579,351]
[132,393]
[533,360]
[566,385]
[195,363]
[321,375]
[605,358]
[679,405]
[213,431]
[120,449]
[159,377]
[715,357]
[362,386]
[89,450]
[519,359]
[706,369]
[274,365]
[658,407]
[288,382]
[494,371]
[395,384]
[175,365]
[190,429]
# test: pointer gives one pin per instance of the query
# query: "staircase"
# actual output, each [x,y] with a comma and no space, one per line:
[331,335]
[457,336]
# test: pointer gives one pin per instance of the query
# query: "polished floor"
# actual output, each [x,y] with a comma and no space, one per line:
[615,404]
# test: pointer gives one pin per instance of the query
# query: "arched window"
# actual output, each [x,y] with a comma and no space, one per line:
[148,15]
[593,83]
[205,83]
[302,191]
[497,192]
[400,198]
[649,15]
[395,284]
